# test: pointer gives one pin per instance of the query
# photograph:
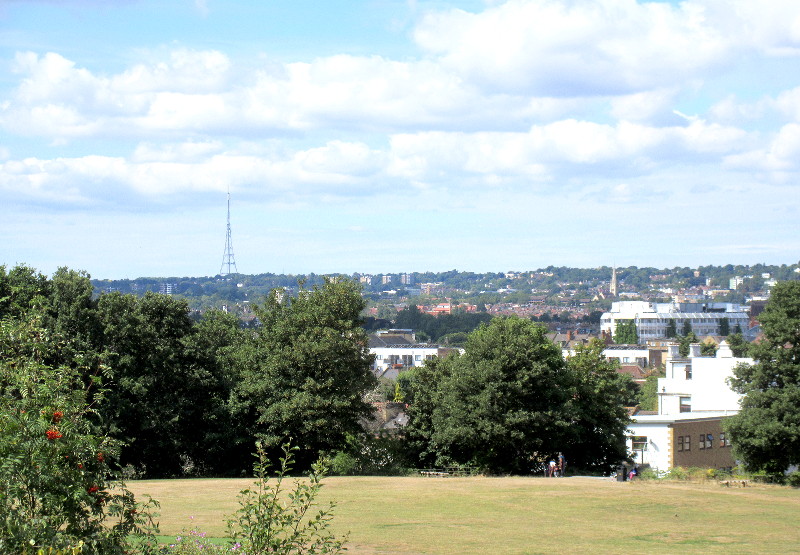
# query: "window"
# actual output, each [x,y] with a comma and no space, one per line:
[639,443]
[689,372]
[417,357]
[709,441]
[687,443]
[686,404]
[724,441]
[680,443]
[702,442]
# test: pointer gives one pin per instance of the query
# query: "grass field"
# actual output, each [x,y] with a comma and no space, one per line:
[413,515]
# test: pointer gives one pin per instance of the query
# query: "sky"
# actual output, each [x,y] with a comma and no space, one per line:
[397,135]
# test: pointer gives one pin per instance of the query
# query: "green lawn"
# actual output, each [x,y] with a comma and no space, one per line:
[519,515]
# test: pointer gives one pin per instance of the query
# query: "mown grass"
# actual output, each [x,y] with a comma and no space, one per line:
[519,515]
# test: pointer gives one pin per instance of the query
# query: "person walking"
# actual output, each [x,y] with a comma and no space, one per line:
[562,464]
[552,469]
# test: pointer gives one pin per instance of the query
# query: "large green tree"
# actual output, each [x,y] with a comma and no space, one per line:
[305,371]
[766,432]
[165,395]
[502,405]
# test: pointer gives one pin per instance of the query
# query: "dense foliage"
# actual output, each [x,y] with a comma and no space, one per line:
[766,432]
[511,402]
[189,396]
[625,333]
[57,486]
[304,372]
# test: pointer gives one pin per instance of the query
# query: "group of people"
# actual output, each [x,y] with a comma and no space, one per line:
[557,469]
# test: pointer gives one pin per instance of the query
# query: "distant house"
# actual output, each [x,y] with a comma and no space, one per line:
[693,399]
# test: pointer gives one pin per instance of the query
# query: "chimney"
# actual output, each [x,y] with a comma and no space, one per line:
[672,350]
[694,350]
[570,335]
[724,350]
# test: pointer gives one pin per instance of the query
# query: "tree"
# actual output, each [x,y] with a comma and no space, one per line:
[625,333]
[738,345]
[164,392]
[499,405]
[648,393]
[724,327]
[305,372]
[672,329]
[685,342]
[598,408]
[766,432]
[687,328]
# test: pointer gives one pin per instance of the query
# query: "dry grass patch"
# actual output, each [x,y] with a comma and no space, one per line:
[519,515]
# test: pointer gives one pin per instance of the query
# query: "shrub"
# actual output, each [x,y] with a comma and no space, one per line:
[369,455]
[58,491]
[793,479]
[677,473]
[271,520]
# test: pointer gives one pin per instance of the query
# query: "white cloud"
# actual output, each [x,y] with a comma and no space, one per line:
[779,157]
[567,48]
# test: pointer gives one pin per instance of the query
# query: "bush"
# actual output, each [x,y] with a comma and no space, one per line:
[369,455]
[270,520]
[793,479]
[58,491]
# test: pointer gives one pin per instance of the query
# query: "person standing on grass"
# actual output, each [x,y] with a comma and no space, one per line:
[552,469]
[562,464]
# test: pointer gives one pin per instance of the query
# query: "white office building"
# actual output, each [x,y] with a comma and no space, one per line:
[653,319]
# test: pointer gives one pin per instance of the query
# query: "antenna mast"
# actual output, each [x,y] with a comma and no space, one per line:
[228,261]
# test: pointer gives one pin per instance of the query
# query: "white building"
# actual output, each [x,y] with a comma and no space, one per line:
[693,399]
[653,319]
[393,359]
[397,350]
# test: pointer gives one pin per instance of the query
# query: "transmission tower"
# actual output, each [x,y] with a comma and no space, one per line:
[228,261]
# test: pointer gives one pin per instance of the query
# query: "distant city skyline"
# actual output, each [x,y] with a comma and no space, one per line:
[391,136]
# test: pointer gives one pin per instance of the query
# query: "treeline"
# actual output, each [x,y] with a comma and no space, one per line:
[191,397]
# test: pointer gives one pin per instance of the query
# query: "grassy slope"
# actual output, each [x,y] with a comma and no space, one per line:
[520,515]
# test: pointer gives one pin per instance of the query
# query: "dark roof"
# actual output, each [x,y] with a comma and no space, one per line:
[387,340]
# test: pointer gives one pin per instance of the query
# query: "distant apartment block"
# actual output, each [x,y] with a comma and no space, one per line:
[653,319]
[167,288]
[386,278]
[406,279]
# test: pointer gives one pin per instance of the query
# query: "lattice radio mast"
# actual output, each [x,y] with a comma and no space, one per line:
[228,261]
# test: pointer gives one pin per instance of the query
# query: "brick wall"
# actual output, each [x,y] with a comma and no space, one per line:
[717,455]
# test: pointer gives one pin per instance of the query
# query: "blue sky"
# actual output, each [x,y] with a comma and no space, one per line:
[388,136]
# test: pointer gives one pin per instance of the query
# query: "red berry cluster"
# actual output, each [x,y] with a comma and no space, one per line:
[57,416]
[53,434]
